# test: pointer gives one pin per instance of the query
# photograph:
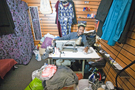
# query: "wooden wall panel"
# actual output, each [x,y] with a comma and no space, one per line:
[124,54]
[48,21]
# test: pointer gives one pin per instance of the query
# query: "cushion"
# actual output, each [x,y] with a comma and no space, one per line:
[47,42]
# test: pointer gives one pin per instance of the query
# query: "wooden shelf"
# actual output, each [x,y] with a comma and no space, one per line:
[86,18]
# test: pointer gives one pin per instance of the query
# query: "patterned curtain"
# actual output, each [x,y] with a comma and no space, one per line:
[18,46]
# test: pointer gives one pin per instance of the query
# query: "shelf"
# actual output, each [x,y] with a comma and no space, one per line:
[123,74]
[86,18]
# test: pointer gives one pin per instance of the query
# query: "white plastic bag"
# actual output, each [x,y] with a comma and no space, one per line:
[49,35]
[83,85]
[38,73]
[45,7]
[37,55]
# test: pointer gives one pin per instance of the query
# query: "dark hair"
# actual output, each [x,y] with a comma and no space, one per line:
[81,26]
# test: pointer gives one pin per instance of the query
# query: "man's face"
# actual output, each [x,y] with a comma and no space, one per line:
[80,31]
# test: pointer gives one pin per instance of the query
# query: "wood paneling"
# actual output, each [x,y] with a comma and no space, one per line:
[124,54]
[48,21]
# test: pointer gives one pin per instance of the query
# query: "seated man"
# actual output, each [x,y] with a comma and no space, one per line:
[77,65]
[76,35]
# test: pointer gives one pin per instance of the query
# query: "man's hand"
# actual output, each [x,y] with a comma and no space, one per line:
[86,49]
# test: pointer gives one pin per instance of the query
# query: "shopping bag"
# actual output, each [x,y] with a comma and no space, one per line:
[35,84]
[37,55]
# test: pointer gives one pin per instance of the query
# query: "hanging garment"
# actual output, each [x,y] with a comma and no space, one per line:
[6,21]
[74,19]
[115,21]
[102,12]
[65,16]
[45,7]
[129,24]
[56,20]
[18,46]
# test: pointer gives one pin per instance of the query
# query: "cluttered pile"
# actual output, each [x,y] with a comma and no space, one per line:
[43,45]
[51,77]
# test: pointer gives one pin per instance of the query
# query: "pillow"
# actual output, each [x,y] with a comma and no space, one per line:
[47,42]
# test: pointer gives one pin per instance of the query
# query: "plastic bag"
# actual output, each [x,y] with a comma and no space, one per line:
[49,35]
[37,55]
[83,85]
[48,72]
[45,7]
[35,84]
[38,73]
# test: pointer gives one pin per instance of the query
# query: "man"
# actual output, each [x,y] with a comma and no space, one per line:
[76,35]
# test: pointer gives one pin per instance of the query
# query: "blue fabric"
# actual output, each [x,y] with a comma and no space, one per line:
[56,37]
[74,35]
[115,21]
[65,16]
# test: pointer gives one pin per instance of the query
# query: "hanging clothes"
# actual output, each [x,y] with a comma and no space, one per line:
[74,19]
[102,12]
[129,24]
[56,20]
[45,7]
[115,21]
[18,46]
[65,16]
[6,21]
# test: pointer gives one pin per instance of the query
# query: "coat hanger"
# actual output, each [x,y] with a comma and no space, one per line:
[64,2]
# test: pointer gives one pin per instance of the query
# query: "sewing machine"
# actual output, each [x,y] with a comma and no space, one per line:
[62,44]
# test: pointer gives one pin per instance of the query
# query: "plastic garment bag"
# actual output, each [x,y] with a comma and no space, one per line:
[45,7]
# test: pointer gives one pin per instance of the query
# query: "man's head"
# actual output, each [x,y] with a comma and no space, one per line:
[80,30]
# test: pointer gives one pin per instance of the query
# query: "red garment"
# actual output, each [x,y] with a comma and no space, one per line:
[49,71]
[58,24]
[5,66]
